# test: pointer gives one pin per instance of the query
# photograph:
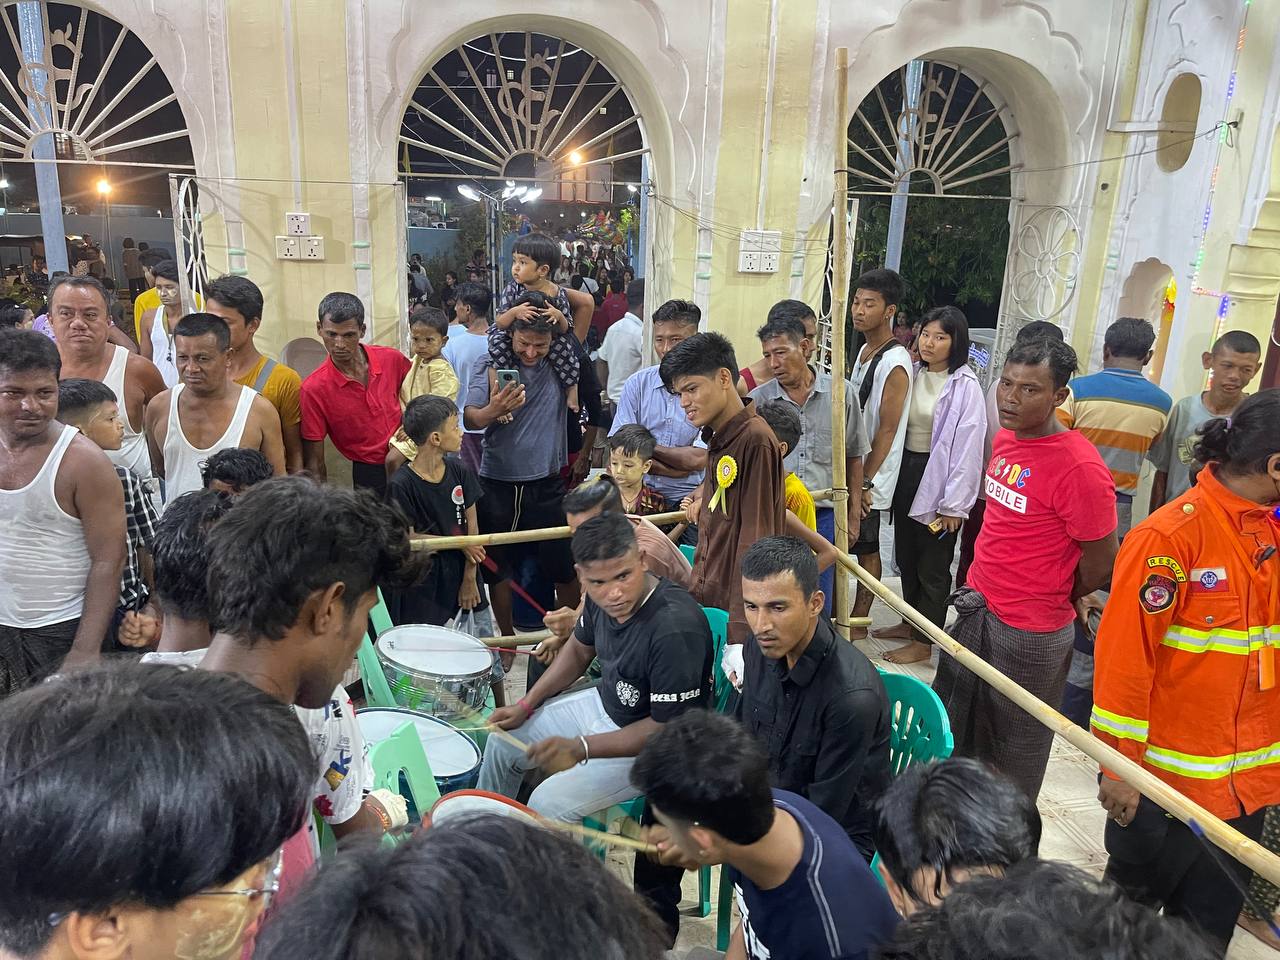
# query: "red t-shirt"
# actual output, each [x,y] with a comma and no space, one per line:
[359,419]
[1044,497]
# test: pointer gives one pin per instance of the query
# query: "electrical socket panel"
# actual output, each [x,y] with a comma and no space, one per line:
[297,224]
[312,248]
[288,248]
[759,251]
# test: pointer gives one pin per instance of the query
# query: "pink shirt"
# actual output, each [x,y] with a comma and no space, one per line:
[1044,498]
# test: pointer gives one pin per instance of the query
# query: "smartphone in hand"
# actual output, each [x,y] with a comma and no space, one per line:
[507,377]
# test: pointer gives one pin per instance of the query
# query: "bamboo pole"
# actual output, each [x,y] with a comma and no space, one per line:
[839,297]
[545,533]
[1251,854]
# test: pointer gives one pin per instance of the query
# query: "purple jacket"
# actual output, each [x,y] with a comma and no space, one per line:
[954,471]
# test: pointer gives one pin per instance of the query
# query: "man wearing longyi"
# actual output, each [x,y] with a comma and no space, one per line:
[655,651]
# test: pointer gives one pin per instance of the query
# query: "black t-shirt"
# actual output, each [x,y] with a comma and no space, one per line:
[656,664]
[439,509]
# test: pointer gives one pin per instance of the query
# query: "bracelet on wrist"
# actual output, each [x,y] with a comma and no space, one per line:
[586,751]
[523,705]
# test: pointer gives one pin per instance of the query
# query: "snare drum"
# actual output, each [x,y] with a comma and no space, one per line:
[434,669]
[464,803]
[453,756]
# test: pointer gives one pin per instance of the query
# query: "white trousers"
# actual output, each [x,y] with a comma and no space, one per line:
[571,794]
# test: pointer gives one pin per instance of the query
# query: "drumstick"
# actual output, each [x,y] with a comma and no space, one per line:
[613,839]
[520,591]
[469,713]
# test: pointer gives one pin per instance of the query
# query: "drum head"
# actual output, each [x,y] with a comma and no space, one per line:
[463,803]
[435,651]
[449,751]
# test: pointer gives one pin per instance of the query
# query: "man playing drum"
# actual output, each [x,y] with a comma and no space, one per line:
[655,652]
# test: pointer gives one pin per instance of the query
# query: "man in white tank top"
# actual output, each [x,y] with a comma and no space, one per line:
[79,312]
[62,527]
[207,411]
[156,341]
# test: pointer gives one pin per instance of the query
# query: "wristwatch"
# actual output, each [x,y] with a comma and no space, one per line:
[868,484]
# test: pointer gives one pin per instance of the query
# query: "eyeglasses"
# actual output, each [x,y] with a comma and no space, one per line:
[269,888]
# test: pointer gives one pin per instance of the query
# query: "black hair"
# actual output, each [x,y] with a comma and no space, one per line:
[475,295]
[149,258]
[634,439]
[450,273]
[783,419]
[12,313]
[78,283]
[109,284]
[238,467]
[1242,443]
[535,298]
[770,556]
[180,552]
[431,317]
[539,248]
[702,355]
[956,814]
[793,309]
[1041,910]
[635,293]
[531,324]
[1130,337]
[127,242]
[782,326]
[199,324]
[25,351]
[705,768]
[167,268]
[237,293]
[1034,352]
[601,492]
[606,537]
[143,245]
[953,323]
[416,899]
[883,281]
[426,414]
[292,536]
[339,307]
[77,396]
[1237,341]
[1039,330]
[683,312]
[102,771]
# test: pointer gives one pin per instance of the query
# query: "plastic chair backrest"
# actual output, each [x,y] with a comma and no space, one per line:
[377,692]
[718,620]
[921,730]
[402,752]
[380,616]
[687,549]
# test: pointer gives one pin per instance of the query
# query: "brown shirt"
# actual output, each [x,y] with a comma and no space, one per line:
[661,557]
[754,507]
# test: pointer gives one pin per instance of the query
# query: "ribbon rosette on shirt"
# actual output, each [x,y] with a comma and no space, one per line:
[726,473]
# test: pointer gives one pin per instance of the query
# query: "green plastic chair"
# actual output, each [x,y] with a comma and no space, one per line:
[377,692]
[380,616]
[687,549]
[401,754]
[921,731]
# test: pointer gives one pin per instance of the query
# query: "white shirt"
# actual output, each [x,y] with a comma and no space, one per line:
[463,351]
[886,477]
[621,350]
[345,772]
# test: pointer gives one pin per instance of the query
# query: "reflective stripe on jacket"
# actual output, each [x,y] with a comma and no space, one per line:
[1195,599]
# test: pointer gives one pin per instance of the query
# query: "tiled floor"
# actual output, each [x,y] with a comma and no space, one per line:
[1072,818]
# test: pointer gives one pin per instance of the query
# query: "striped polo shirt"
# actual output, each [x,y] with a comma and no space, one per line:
[1121,413]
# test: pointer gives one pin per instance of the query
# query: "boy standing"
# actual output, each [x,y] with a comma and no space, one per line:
[631,451]
[438,495]
[533,258]
[742,497]
[430,374]
[1232,363]
[784,420]
[92,408]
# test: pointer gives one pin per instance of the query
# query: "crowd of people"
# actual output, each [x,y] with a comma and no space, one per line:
[147,508]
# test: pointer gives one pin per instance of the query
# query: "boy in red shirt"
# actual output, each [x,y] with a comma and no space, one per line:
[1048,538]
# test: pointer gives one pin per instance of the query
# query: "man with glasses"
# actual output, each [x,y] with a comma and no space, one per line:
[181,871]
[207,412]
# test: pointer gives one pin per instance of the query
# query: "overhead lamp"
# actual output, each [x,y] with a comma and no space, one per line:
[531,195]
[508,192]
[104,187]
[4,184]
[631,188]
[511,183]
[575,157]
[434,200]
[468,191]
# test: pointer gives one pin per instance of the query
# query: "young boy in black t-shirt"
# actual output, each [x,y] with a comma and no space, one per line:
[438,495]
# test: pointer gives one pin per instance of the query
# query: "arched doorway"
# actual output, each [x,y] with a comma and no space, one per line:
[512,131]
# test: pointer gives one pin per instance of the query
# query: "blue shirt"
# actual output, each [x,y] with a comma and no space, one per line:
[646,401]
[830,908]
[533,445]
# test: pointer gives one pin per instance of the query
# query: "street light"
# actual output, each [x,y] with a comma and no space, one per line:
[531,195]
[4,184]
[104,188]
[468,191]
[575,157]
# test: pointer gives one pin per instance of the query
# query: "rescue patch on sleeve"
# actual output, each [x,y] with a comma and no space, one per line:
[1172,565]
[1158,593]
